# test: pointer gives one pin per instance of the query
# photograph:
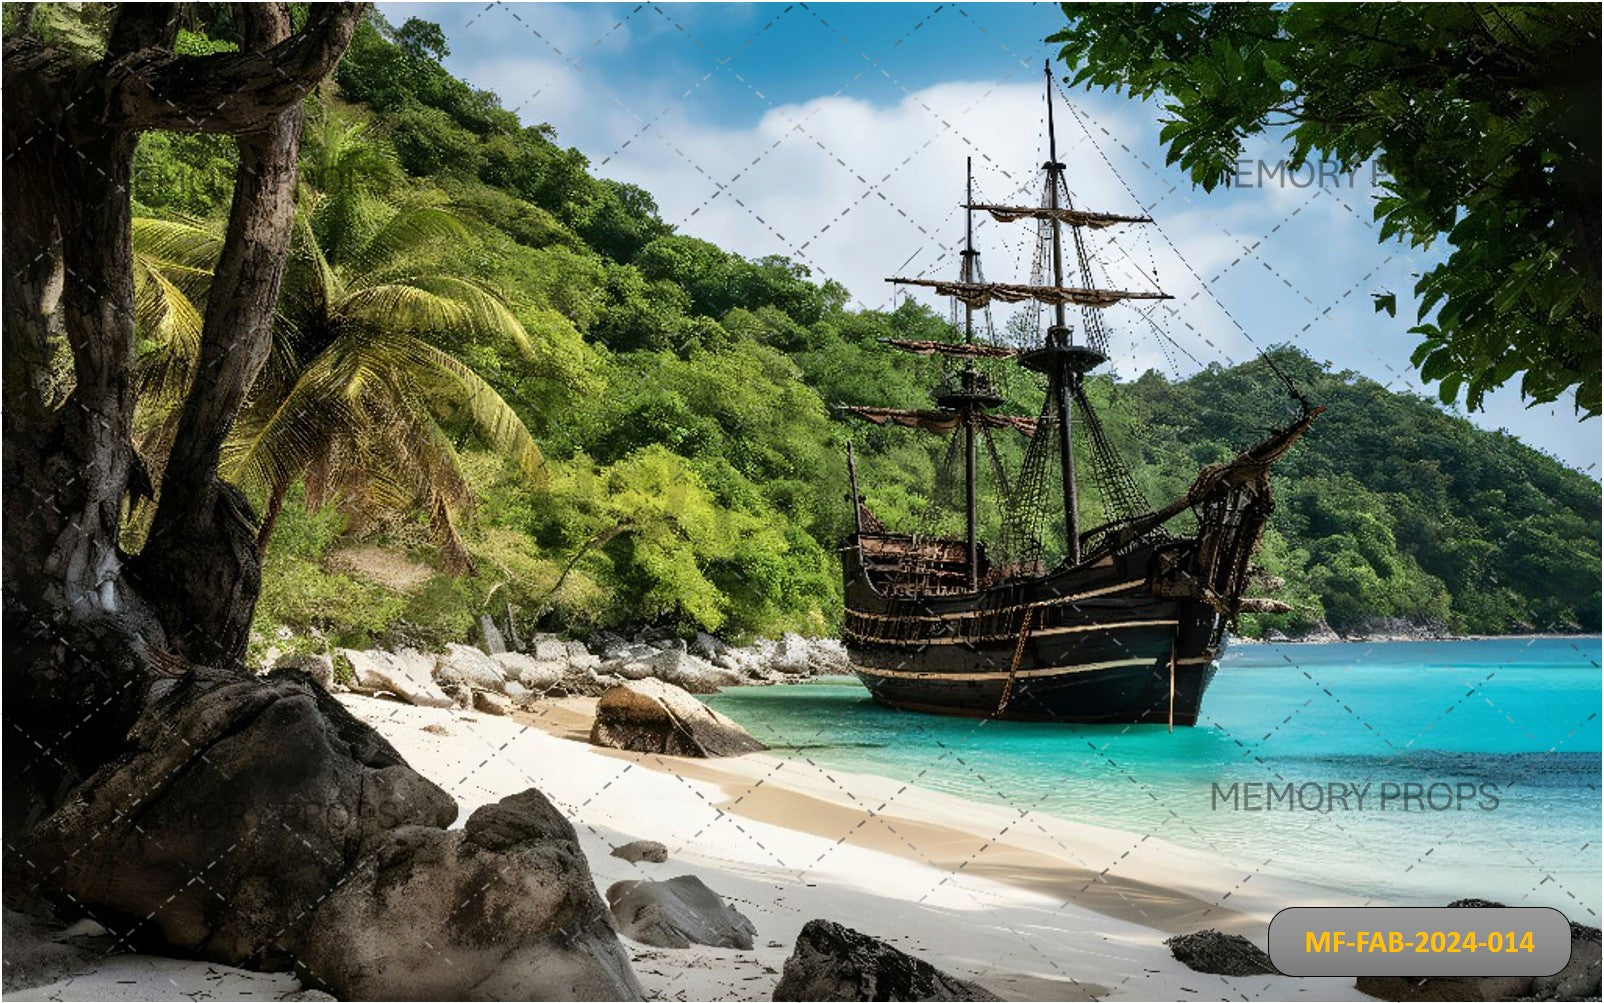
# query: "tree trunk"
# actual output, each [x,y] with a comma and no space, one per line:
[201,557]
[86,628]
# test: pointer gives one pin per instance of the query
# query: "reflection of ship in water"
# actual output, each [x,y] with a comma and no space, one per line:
[1127,626]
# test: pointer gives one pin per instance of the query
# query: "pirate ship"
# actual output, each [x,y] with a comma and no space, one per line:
[1126,623]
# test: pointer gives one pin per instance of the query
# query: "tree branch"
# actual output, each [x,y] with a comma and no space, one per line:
[238,93]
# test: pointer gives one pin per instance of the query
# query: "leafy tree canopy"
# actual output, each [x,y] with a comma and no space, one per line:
[1485,117]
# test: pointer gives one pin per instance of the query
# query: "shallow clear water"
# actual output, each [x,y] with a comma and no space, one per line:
[1510,726]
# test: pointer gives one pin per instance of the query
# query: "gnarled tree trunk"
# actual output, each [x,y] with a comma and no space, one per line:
[85,623]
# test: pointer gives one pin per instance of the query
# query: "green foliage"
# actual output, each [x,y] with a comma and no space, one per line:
[461,289]
[1485,117]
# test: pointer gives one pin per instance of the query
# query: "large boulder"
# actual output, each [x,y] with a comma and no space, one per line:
[238,804]
[407,674]
[532,674]
[650,715]
[1220,953]
[678,912]
[470,665]
[503,908]
[833,962]
[1580,978]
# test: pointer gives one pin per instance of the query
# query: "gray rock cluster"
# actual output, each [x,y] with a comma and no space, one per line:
[834,962]
[338,862]
[549,666]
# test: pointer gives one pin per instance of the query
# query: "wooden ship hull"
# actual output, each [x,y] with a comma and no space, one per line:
[1091,644]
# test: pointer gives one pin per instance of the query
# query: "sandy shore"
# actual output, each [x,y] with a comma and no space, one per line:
[1029,905]
[1032,906]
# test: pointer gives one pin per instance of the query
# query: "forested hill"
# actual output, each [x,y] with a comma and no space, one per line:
[504,385]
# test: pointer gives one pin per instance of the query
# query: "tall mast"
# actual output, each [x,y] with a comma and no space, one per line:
[969,377]
[1058,336]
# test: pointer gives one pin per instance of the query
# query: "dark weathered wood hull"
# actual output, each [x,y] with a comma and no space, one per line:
[1089,644]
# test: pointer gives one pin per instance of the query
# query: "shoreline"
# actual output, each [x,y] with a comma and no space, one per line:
[1029,905]
[1408,639]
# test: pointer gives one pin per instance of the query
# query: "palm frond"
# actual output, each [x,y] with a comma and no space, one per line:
[414,232]
[450,381]
[166,316]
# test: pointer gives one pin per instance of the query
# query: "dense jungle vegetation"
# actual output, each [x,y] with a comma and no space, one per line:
[501,384]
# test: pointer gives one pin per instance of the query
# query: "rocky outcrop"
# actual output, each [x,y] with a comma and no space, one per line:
[649,715]
[406,674]
[677,913]
[833,962]
[239,804]
[503,908]
[1220,953]
[255,822]
[647,850]
[469,665]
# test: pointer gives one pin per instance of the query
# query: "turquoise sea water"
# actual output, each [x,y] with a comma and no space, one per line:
[1508,730]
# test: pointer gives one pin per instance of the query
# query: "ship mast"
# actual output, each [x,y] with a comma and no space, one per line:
[1060,336]
[969,255]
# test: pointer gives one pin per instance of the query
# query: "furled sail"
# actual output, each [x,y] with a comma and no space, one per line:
[940,420]
[979,294]
[975,350]
[1069,217]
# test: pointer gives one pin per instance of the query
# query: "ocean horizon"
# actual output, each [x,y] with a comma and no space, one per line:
[1398,772]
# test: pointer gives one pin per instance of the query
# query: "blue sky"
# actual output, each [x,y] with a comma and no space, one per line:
[836,134]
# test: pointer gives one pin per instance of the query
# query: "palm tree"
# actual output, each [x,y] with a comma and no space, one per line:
[362,394]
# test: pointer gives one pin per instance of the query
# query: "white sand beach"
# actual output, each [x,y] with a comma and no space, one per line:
[1031,906]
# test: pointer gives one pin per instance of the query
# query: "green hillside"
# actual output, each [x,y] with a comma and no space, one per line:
[685,466]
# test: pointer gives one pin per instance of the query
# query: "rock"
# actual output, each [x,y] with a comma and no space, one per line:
[518,693]
[1220,953]
[689,672]
[707,646]
[37,955]
[548,648]
[472,666]
[1462,988]
[646,635]
[604,639]
[648,850]
[307,996]
[676,913]
[833,962]
[319,667]
[495,644]
[650,715]
[794,656]
[461,694]
[408,674]
[491,702]
[276,771]
[576,649]
[503,908]
[537,676]
[1580,978]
